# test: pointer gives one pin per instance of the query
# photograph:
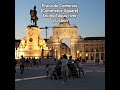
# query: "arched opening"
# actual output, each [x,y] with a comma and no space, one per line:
[65,46]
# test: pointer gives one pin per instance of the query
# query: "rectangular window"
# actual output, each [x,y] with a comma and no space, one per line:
[86,50]
[92,50]
[97,50]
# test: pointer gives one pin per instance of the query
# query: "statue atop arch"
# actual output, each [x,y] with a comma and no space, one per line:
[34,17]
[64,20]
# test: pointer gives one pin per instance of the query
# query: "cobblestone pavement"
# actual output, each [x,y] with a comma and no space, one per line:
[34,79]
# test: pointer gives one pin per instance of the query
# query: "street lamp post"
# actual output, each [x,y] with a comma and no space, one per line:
[86,58]
[80,56]
[95,56]
[42,52]
[55,53]
[77,54]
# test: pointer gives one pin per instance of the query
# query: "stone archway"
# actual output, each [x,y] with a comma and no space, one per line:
[62,31]
[64,47]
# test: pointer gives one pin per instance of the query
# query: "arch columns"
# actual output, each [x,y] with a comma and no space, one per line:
[74,48]
[57,47]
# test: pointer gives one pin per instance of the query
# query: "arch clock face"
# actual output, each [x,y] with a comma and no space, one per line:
[30,39]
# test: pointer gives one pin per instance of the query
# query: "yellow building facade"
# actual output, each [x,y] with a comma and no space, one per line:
[89,49]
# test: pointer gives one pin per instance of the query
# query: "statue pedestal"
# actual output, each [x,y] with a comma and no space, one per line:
[32,48]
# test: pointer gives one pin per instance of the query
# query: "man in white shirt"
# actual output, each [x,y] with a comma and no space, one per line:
[64,68]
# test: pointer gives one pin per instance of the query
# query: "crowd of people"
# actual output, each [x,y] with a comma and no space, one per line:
[28,62]
[66,68]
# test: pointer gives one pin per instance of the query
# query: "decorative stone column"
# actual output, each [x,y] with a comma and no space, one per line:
[72,51]
[101,61]
[89,59]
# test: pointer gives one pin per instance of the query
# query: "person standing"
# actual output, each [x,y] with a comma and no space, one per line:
[22,64]
[27,63]
[47,70]
[70,66]
[80,68]
[64,68]
[30,60]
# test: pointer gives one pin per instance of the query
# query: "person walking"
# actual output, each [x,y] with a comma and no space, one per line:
[47,70]
[70,66]
[27,63]
[64,68]
[80,68]
[22,64]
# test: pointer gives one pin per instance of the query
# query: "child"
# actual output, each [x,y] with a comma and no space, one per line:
[47,70]
[53,75]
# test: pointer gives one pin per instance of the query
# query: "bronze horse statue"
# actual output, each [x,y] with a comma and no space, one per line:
[34,17]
